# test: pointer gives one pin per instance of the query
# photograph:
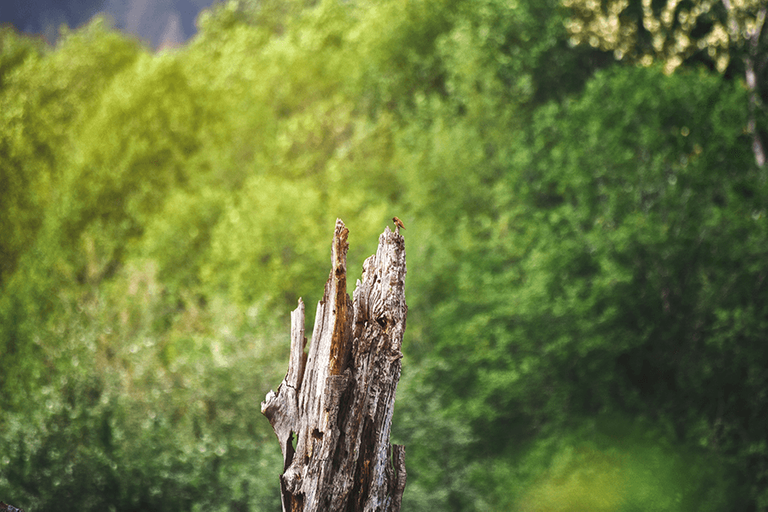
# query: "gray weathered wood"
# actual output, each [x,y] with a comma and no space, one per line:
[337,401]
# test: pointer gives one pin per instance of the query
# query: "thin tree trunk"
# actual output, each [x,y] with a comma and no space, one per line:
[751,61]
[337,401]
[753,67]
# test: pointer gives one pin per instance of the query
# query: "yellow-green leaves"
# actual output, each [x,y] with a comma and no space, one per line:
[670,32]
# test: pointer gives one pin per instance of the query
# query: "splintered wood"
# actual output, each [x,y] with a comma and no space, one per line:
[335,404]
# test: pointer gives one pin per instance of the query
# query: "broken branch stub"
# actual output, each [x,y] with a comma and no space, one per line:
[337,401]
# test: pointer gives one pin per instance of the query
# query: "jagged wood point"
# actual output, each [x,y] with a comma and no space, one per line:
[336,402]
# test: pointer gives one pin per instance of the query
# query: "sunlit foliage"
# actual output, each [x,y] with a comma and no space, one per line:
[670,31]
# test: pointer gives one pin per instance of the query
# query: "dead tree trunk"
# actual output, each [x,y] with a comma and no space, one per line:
[338,400]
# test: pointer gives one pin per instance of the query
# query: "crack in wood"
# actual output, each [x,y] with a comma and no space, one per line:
[338,398]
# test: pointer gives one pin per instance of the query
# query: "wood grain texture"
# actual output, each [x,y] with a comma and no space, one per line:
[337,401]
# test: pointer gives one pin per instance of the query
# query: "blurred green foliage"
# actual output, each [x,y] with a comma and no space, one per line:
[586,245]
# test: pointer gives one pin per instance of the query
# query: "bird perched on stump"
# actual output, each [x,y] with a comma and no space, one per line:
[398,224]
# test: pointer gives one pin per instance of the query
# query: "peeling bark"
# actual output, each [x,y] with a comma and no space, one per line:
[337,401]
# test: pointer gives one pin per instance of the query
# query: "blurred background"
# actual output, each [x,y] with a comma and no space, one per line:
[584,189]
[158,23]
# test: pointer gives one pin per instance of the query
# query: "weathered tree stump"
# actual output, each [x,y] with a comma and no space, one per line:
[338,400]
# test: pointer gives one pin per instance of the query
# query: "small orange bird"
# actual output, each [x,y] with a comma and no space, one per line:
[398,223]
